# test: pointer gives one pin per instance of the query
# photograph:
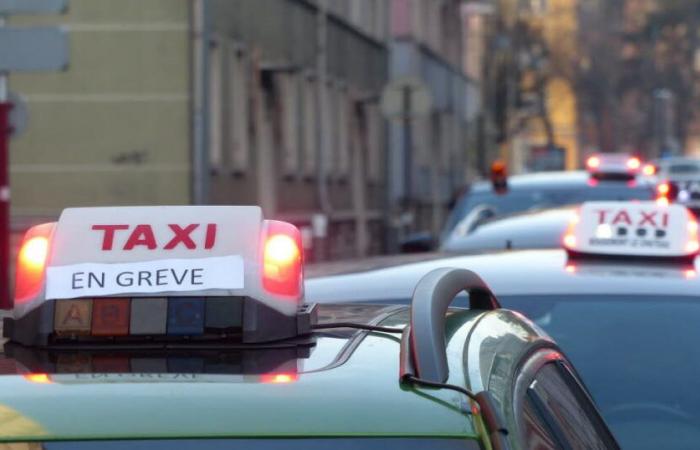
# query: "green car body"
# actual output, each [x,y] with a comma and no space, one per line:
[345,384]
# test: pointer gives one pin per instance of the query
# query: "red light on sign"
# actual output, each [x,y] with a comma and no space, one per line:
[279,378]
[33,253]
[39,378]
[282,259]
[31,262]
[498,168]
[570,241]
[693,244]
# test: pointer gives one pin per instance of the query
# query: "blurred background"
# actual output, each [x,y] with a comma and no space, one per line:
[357,120]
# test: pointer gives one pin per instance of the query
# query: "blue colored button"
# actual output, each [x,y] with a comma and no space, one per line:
[185,315]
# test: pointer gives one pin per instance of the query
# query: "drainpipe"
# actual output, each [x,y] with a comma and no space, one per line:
[320,220]
[200,101]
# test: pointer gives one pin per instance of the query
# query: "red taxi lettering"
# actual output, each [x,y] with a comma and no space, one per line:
[211,236]
[601,215]
[651,218]
[143,235]
[622,216]
[647,217]
[108,237]
[181,235]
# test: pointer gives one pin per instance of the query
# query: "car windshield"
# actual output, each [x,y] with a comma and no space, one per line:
[266,444]
[684,169]
[638,355]
[524,199]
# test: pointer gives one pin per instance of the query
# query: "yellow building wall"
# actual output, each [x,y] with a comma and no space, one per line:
[114,129]
[559,26]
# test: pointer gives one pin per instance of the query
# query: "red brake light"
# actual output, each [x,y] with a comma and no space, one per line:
[663,189]
[593,162]
[569,239]
[31,262]
[282,259]
[634,163]
[693,244]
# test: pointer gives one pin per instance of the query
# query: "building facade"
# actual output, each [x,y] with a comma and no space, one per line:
[271,102]
[430,162]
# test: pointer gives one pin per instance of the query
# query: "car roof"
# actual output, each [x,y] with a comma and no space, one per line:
[677,160]
[541,228]
[518,272]
[552,180]
[348,386]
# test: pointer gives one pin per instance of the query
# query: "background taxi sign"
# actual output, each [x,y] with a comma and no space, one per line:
[635,229]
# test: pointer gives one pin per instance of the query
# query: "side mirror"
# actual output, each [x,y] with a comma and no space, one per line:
[418,243]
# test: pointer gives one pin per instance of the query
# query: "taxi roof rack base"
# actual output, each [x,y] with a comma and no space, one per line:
[261,324]
[34,329]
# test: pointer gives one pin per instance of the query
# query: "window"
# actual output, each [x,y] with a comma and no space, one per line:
[375,443]
[600,334]
[239,110]
[558,414]
[330,113]
[537,434]
[342,147]
[309,134]
[290,138]
[375,143]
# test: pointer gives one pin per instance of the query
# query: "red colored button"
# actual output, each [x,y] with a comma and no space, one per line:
[110,316]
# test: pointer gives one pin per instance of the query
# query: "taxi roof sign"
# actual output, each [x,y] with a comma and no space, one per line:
[645,229]
[161,253]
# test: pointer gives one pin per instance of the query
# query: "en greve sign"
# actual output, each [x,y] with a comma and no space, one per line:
[166,275]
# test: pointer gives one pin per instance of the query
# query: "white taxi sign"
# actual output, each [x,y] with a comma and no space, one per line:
[161,251]
[634,229]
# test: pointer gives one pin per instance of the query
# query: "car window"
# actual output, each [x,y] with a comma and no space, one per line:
[538,435]
[340,443]
[637,356]
[683,169]
[564,409]
[521,200]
